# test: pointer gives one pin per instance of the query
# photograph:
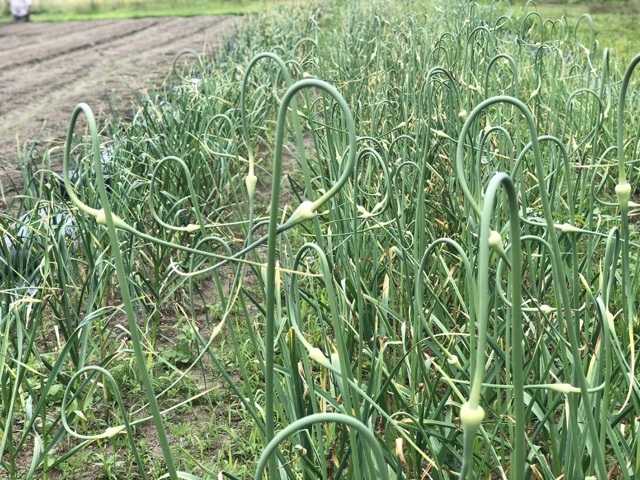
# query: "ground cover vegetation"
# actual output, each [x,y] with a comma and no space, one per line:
[615,22]
[64,10]
[367,240]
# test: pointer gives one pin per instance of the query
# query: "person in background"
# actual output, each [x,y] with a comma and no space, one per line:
[20,9]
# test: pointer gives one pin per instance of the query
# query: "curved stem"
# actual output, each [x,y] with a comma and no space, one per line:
[376,452]
[120,270]
[303,214]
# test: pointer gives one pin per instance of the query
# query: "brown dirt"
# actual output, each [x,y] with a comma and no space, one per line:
[47,68]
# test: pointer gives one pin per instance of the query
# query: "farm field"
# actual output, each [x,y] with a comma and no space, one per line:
[616,22]
[47,68]
[69,10]
[381,239]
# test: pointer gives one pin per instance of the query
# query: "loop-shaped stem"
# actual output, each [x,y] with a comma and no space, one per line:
[230,126]
[243,95]
[185,52]
[109,432]
[380,206]
[95,150]
[553,241]
[622,175]
[514,71]
[376,452]
[192,193]
[535,15]
[592,31]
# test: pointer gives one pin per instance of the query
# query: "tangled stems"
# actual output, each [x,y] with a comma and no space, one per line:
[339,361]
[374,267]
[251,178]
[419,288]
[101,215]
[340,368]
[110,220]
[307,210]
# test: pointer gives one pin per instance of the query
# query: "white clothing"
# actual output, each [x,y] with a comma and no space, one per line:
[19,8]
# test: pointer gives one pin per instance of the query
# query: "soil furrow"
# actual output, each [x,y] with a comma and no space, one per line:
[69,43]
[52,67]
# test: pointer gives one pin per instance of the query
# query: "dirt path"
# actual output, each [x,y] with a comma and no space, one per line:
[47,68]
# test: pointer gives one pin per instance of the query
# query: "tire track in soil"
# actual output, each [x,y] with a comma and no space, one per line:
[47,68]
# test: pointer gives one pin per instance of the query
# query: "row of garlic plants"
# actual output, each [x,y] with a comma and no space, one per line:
[61,308]
[526,343]
[447,289]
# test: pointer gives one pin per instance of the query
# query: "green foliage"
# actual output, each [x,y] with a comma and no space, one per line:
[443,282]
[615,23]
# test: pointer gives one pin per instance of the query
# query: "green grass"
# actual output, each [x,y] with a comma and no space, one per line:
[617,23]
[57,11]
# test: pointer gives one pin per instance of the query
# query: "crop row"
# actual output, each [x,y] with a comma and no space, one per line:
[441,283]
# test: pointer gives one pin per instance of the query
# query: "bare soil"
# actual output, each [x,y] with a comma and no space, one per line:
[48,68]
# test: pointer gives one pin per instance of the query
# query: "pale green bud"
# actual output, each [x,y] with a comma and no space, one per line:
[563,388]
[495,241]
[250,181]
[385,289]
[547,309]
[305,211]
[28,408]
[623,192]
[318,356]
[471,417]
[192,227]
[111,431]
[101,218]
[363,212]
[567,228]
[454,362]
[610,324]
